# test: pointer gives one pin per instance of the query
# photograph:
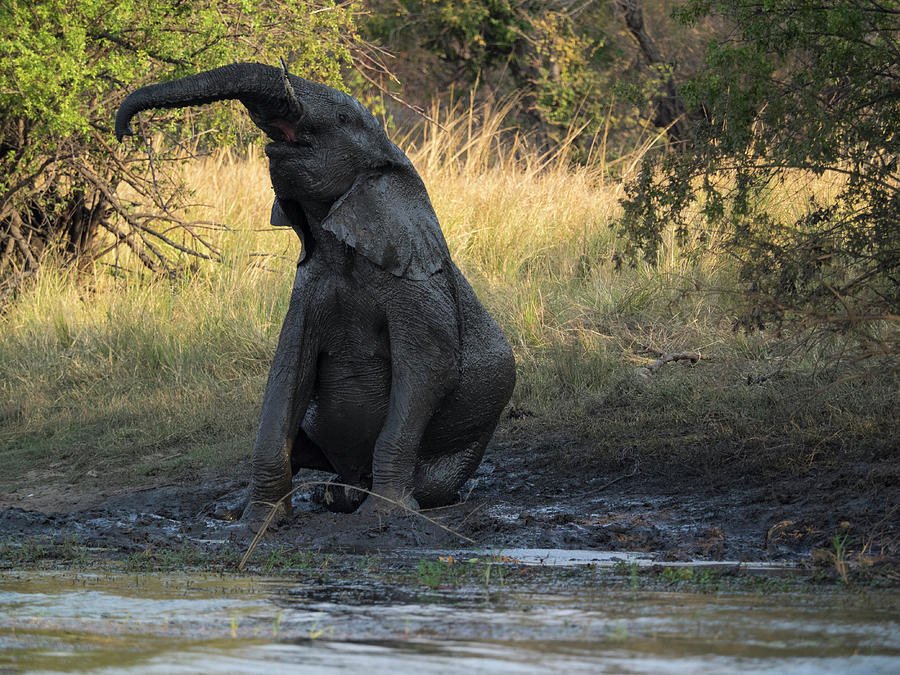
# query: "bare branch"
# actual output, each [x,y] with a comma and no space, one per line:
[645,372]
[27,180]
[173,244]
[369,63]
[128,239]
[14,229]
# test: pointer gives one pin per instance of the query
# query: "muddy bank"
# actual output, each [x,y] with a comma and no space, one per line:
[524,495]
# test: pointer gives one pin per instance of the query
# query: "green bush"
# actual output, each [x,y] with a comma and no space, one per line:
[793,165]
[66,66]
[555,57]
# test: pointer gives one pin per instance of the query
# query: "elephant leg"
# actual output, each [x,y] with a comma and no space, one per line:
[439,478]
[455,440]
[413,400]
[288,391]
[424,360]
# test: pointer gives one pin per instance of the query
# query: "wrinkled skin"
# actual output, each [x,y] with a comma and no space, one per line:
[388,370]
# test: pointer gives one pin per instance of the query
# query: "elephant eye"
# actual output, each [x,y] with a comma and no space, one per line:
[342,118]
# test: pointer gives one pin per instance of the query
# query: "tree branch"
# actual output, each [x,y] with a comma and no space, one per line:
[14,229]
[646,372]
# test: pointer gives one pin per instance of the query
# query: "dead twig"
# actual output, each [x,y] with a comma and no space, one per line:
[179,247]
[139,228]
[128,238]
[367,63]
[616,480]
[27,180]
[646,372]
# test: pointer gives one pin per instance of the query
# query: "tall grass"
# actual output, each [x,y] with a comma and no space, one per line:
[154,376]
[117,364]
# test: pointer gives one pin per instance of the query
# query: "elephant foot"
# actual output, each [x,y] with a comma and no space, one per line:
[258,515]
[338,498]
[230,507]
[378,506]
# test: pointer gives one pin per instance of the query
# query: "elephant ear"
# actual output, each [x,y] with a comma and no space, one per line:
[388,218]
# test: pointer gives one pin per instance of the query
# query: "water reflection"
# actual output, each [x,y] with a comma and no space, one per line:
[126,623]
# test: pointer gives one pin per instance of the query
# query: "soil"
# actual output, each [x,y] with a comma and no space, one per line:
[528,493]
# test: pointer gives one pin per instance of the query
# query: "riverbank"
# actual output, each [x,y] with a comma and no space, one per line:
[527,494]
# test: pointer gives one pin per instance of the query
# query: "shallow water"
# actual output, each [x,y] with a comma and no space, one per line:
[166,623]
[557,557]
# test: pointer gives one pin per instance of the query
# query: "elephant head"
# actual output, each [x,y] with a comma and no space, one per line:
[330,162]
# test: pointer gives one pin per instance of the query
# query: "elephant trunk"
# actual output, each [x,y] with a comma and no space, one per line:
[259,87]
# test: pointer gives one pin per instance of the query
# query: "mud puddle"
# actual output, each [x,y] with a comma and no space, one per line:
[520,498]
[660,527]
[154,623]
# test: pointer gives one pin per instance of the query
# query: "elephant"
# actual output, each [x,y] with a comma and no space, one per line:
[388,371]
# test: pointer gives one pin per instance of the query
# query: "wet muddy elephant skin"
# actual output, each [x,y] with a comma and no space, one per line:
[388,370]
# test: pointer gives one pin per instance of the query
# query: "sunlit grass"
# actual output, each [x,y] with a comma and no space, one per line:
[154,376]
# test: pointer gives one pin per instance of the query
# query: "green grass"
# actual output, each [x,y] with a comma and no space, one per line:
[144,378]
[282,560]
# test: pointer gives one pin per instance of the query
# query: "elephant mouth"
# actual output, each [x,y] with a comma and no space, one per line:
[279,149]
[280,128]
[288,133]
[283,131]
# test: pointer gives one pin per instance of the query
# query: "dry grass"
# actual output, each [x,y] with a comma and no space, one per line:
[150,376]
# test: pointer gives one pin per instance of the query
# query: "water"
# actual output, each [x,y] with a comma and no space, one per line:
[157,623]
[557,557]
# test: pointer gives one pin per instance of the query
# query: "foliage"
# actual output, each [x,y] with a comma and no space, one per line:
[472,34]
[799,89]
[68,64]
[555,56]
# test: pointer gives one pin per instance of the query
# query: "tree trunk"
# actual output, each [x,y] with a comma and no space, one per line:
[670,113]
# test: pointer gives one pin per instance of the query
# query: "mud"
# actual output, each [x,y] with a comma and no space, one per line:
[524,495]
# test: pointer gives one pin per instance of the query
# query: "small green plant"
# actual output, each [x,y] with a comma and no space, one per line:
[621,568]
[164,559]
[488,573]
[707,580]
[73,551]
[839,544]
[368,563]
[277,624]
[282,559]
[431,573]
[633,579]
[630,570]
[29,552]
[620,634]
[316,632]
[674,575]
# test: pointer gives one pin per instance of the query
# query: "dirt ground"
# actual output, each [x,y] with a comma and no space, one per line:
[526,494]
